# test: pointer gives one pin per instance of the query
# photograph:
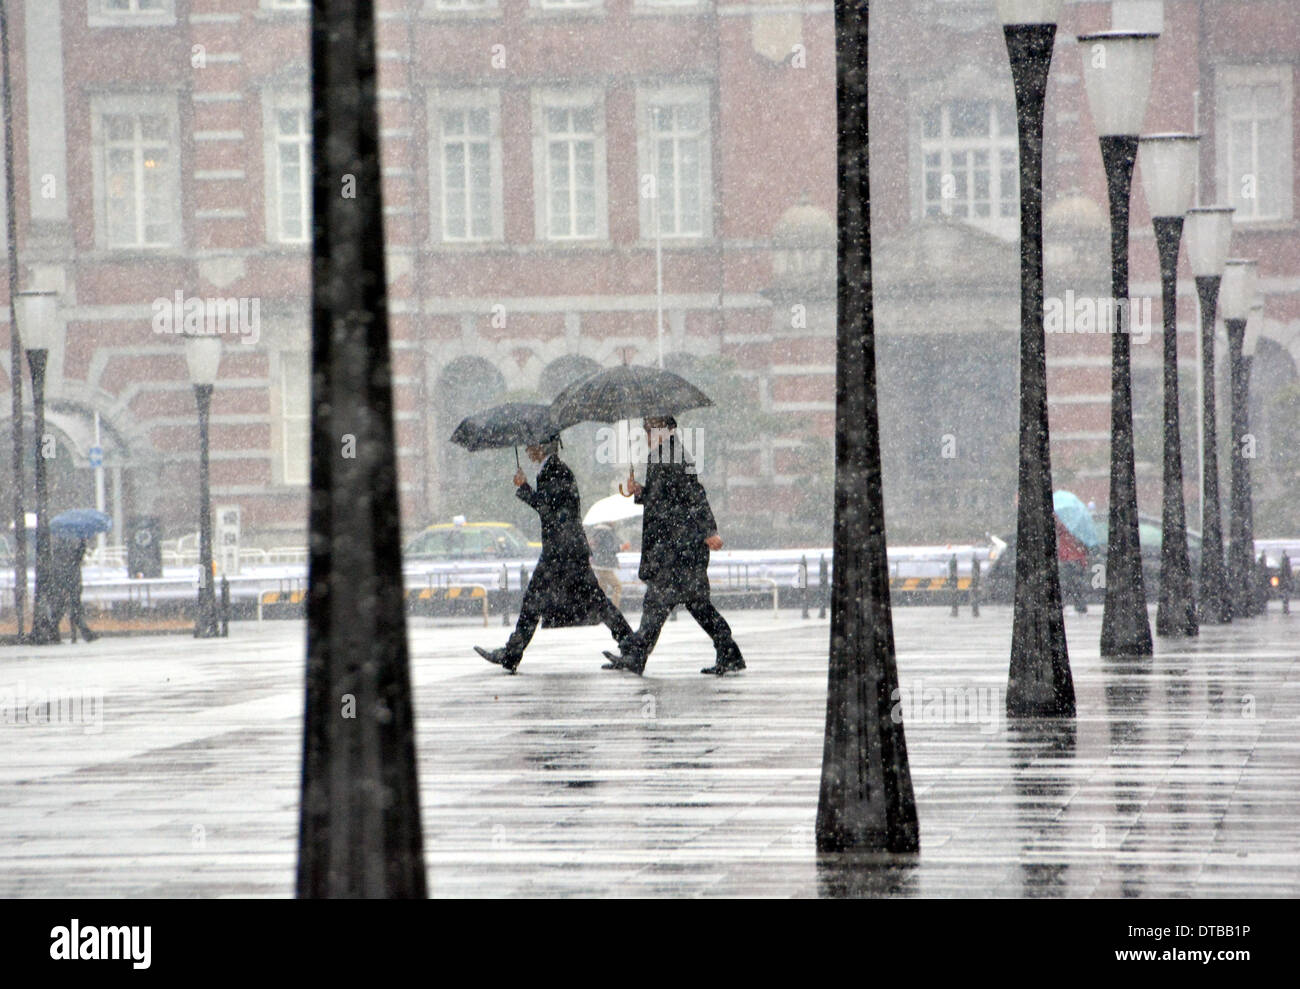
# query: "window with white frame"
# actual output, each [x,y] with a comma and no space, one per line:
[294,389]
[465,173]
[286,4]
[569,164]
[452,6]
[133,13]
[1253,141]
[566,4]
[674,152]
[286,126]
[137,172]
[969,167]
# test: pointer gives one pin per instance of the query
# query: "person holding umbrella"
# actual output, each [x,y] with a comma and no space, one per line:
[678,532]
[562,590]
[70,531]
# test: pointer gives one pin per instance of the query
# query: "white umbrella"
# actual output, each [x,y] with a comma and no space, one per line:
[615,508]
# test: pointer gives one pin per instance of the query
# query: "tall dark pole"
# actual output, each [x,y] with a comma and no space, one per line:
[1125,628]
[1176,612]
[44,629]
[206,624]
[359,831]
[1215,606]
[1040,682]
[1241,554]
[15,340]
[1259,596]
[866,801]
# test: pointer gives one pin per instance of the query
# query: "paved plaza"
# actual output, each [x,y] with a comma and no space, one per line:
[1180,776]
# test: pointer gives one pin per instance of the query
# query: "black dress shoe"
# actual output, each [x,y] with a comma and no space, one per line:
[500,657]
[617,662]
[732,663]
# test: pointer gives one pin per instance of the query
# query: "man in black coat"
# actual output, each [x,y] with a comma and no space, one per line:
[66,580]
[562,590]
[677,533]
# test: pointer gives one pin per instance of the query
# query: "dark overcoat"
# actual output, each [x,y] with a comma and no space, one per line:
[676,522]
[562,585]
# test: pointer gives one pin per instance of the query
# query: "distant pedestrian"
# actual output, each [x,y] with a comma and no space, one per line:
[1284,582]
[604,561]
[1073,557]
[66,579]
[677,533]
[562,590]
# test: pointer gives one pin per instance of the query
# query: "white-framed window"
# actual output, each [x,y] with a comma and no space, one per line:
[465,180]
[293,384]
[286,124]
[674,157]
[1253,141]
[456,6]
[569,165]
[969,163]
[136,145]
[286,4]
[132,13]
[669,6]
[566,5]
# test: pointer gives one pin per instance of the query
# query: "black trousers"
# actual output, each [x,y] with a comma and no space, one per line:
[655,610]
[530,615]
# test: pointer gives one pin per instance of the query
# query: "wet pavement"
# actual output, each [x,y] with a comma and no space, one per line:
[1179,777]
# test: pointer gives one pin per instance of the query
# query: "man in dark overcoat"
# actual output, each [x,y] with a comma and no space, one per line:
[677,534]
[562,590]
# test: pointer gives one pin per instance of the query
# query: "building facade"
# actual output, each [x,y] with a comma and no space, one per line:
[571,184]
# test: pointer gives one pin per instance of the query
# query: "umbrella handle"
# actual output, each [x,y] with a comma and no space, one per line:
[631,476]
[517,463]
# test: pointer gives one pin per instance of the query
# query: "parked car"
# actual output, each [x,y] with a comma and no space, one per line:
[450,541]
[1001,582]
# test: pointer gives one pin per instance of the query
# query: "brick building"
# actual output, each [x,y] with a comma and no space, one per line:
[162,147]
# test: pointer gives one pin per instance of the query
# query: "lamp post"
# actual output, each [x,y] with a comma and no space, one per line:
[1209,232]
[1254,330]
[1168,176]
[1237,294]
[1117,68]
[1039,682]
[37,315]
[203,355]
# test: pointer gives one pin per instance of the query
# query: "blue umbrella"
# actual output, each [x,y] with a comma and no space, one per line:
[1076,518]
[80,523]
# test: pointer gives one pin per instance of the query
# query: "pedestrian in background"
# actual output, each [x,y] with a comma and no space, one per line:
[604,561]
[66,580]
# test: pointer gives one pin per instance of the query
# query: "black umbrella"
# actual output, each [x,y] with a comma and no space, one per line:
[627,392]
[513,424]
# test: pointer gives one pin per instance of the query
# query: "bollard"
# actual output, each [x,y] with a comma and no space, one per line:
[504,583]
[803,586]
[952,583]
[225,606]
[1261,586]
[823,585]
[974,587]
[1284,582]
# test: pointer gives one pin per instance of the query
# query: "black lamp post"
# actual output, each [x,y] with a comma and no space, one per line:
[203,355]
[1209,232]
[866,801]
[1039,682]
[1254,330]
[37,315]
[1117,68]
[1237,294]
[1169,176]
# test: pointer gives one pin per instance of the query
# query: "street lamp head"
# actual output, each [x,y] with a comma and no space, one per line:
[1254,329]
[37,318]
[1209,234]
[203,355]
[1237,293]
[1028,11]
[1168,164]
[1117,70]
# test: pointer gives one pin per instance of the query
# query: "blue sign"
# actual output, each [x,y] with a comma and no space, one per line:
[96,456]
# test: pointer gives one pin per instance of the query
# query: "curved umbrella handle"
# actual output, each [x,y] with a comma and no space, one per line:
[631,476]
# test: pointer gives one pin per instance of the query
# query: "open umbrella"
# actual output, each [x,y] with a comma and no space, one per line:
[632,391]
[513,424]
[615,508]
[80,523]
[1076,518]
